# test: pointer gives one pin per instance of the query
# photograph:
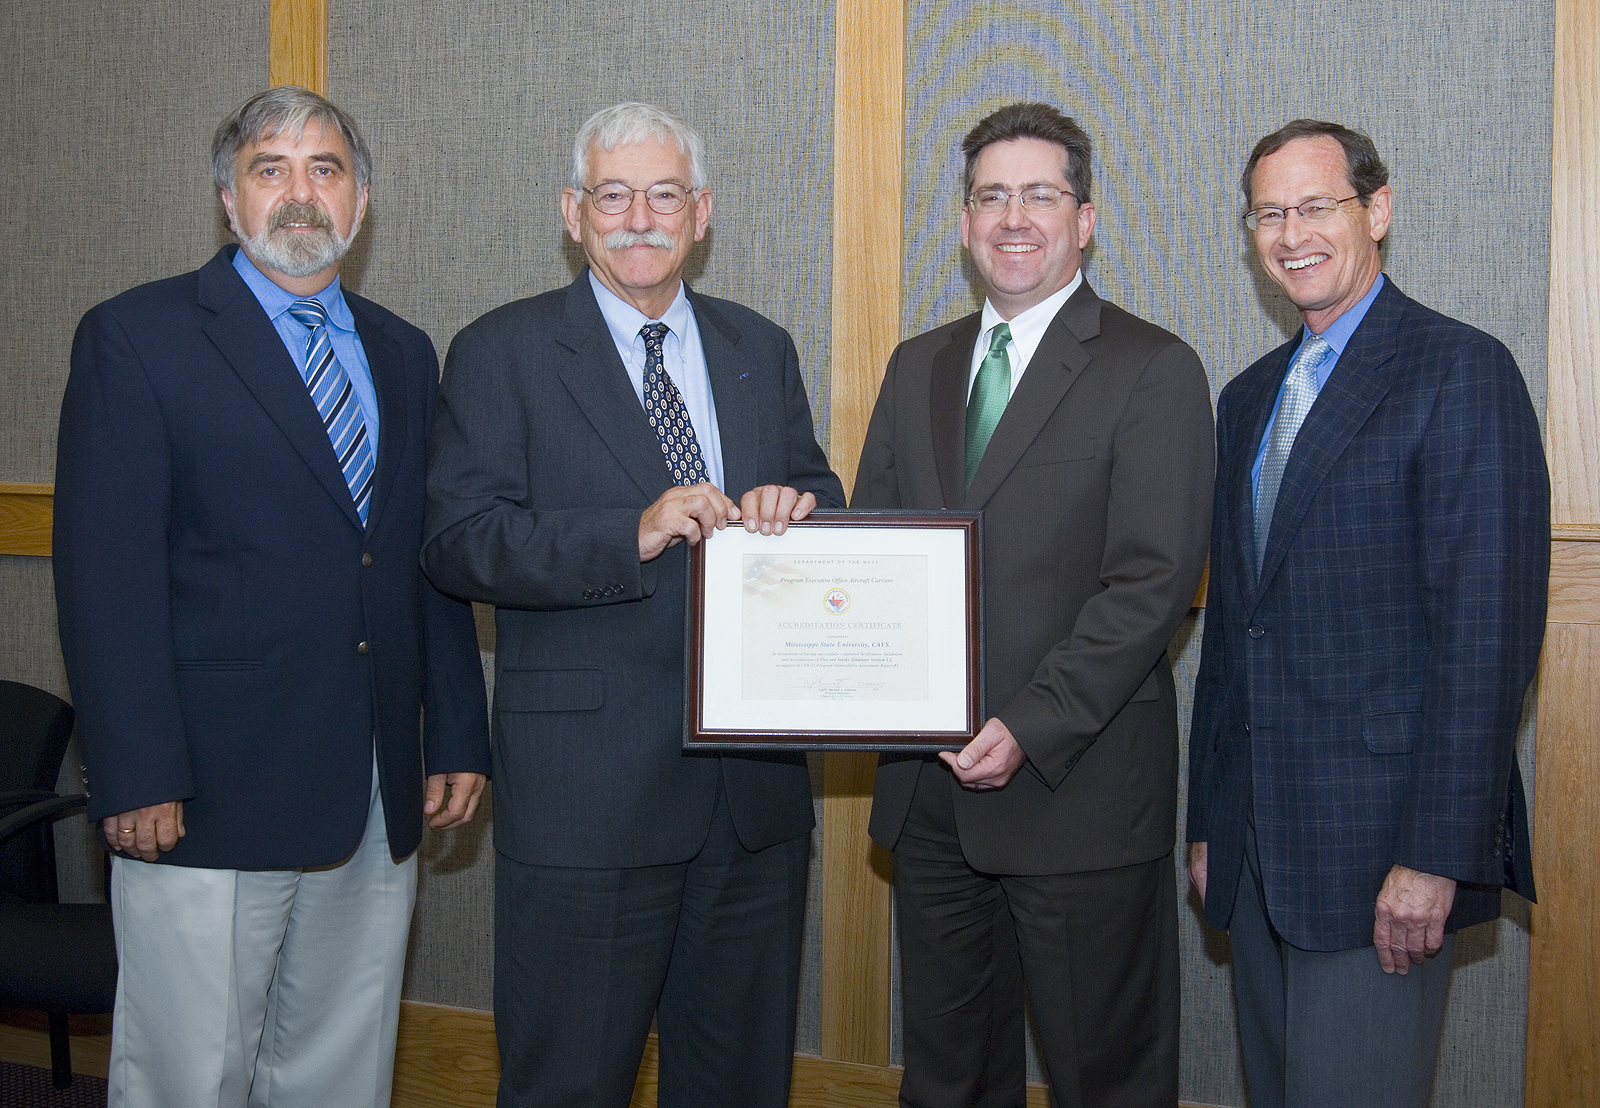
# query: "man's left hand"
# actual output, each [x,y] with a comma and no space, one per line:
[770,508]
[1412,907]
[987,762]
[465,791]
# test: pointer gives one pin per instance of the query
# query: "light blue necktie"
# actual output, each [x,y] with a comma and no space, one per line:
[991,392]
[336,402]
[1299,393]
[664,406]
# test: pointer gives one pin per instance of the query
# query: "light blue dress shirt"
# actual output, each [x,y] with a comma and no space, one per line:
[1337,336]
[275,301]
[681,356]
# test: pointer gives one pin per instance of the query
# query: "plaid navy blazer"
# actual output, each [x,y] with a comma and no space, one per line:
[1362,697]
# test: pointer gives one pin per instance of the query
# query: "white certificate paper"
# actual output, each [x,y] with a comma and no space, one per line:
[846,633]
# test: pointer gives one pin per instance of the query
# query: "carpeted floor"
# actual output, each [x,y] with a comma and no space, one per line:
[29,1087]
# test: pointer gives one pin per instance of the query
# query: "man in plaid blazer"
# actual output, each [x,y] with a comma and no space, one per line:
[1370,633]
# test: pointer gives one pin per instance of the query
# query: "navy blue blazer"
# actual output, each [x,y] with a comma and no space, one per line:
[542,462]
[1362,698]
[234,637]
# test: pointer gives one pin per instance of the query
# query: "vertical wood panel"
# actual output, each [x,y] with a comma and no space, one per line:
[869,137]
[25,518]
[299,48]
[1563,1063]
[1563,970]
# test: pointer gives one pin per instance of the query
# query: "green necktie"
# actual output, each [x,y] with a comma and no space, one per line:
[990,392]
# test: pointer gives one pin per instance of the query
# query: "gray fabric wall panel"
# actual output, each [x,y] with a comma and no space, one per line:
[1174,96]
[471,109]
[109,111]
[106,116]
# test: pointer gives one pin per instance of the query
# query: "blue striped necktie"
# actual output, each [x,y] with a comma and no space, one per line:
[335,399]
[668,416]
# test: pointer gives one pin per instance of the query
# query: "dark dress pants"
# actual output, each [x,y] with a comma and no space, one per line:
[1096,951]
[710,947]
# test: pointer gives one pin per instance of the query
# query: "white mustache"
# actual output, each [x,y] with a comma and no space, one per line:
[655,236]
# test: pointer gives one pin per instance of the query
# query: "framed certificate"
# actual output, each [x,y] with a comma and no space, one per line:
[854,630]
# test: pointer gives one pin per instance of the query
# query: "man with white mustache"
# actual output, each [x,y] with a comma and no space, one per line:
[1037,862]
[1377,605]
[586,438]
[250,639]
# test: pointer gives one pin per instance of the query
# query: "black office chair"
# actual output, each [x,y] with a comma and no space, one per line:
[61,958]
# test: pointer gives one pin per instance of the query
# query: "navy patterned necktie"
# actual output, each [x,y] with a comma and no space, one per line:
[1299,393]
[664,406]
[336,403]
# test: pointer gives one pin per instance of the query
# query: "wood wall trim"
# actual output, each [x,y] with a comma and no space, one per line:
[868,168]
[298,52]
[1563,1059]
[25,518]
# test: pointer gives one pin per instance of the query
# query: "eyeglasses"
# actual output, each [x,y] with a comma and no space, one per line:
[1035,198]
[1315,210]
[614,197]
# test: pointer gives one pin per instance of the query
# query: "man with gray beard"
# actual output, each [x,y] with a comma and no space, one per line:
[250,639]
[586,438]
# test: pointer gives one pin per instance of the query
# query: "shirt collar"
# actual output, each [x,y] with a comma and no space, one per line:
[1029,326]
[275,299]
[1339,331]
[624,320]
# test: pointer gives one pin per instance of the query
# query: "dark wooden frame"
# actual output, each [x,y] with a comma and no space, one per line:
[697,737]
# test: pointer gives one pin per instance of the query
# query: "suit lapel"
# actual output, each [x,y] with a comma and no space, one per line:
[738,428]
[1359,383]
[599,385]
[1055,365]
[388,381]
[1255,408]
[245,337]
[951,376]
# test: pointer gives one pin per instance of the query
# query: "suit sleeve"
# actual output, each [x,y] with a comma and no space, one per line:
[876,485]
[113,505]
[1211,682]
[808,465]
[1485,521]
[489,535]
[1157,529]
[455,708]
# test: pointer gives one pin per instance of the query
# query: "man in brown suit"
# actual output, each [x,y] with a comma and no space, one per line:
[1043,849]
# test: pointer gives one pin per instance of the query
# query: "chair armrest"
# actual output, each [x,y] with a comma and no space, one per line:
[47,808]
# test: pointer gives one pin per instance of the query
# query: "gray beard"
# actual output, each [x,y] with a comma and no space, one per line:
[297,253]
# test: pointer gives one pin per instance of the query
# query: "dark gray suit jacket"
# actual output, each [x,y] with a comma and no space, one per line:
[1095,493]
[542,462]
[1362,697]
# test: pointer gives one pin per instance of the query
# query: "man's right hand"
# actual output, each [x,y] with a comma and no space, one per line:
[145,832]
[684,513]
[1197,868]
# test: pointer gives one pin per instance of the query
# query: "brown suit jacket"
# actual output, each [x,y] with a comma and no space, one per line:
[1096,501]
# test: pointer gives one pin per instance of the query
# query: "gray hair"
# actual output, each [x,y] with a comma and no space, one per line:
[630,122]
[287,108]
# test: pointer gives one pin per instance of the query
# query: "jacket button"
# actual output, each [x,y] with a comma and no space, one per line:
[588,594]
[1256,630]
[361,648]
[366,560]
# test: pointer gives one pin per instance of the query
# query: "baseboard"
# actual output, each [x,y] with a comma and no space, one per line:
[447,1058]
[25,1040]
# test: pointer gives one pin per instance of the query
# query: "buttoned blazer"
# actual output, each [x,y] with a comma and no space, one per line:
[234,637]
[1362,697]
[542,462]
[1095,492]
